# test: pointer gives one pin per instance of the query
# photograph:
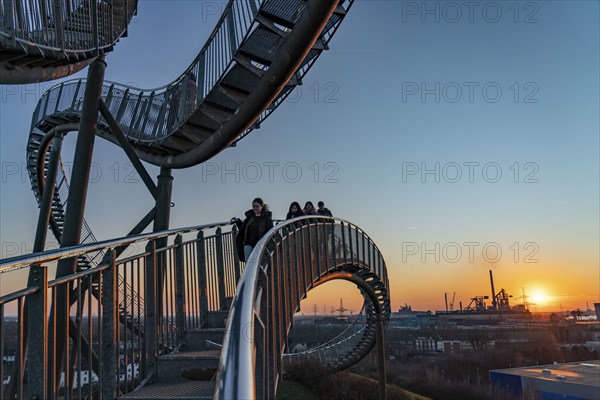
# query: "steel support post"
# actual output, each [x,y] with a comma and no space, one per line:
[76,202]
[35,273]
[379,334]
[109,382]
[163,201]
[179,291]
[37,334]
[161,223]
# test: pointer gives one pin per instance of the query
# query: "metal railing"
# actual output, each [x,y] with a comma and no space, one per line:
[346,339]
[114,341]
[150,115]
[287,262]
[67,27]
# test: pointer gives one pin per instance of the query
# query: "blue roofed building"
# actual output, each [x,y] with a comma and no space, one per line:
[568,381]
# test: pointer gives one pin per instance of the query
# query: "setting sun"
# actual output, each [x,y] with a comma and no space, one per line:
[539,297]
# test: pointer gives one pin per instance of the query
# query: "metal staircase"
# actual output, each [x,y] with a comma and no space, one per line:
[241,75]
[41,40]
[232,343]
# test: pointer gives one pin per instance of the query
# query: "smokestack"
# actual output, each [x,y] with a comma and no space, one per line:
[460,302]
[493,291]
[446,298]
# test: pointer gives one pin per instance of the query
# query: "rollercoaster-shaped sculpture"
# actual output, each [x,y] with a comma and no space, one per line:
[41,40]
[257,54]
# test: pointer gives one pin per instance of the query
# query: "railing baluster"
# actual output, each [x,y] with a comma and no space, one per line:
[90,337]
[110,361]
[200,79]
[139,114]
[122,106]
[220,268]
[75,96]
[180,290]
[109,95]
[60,89]
[134,116]
[79,353]
[201,265]
[317,248]
[150,101]
[232,36]
[123,309]
[19,361]
[236,258]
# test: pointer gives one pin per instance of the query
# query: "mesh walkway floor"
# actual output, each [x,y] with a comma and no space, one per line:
[177,390]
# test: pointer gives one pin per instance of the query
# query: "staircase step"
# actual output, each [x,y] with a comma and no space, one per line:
[284,13]
[216,319]
[218,115]
[221,100]
[177,390]
[241,78]
[179,366]
[196,339]
[261,46]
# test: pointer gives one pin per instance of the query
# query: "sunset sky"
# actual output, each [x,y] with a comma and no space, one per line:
[461,140]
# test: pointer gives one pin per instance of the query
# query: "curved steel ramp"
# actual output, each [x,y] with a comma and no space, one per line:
[42,40]
[257,54]
[285,265]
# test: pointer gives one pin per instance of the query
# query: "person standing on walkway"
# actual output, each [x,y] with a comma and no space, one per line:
[323,211]
[258,221]
[309,209]
[295,211]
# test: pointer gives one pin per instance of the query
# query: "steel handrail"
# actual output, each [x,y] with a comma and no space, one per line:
[72,251]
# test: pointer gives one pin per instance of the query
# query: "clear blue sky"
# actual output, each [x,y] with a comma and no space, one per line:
[512,86]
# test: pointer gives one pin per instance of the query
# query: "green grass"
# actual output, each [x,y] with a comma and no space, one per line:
[391,388]
[291,390]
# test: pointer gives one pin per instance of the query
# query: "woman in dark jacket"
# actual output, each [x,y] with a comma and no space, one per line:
[309,209]
[294,211]
[258,222]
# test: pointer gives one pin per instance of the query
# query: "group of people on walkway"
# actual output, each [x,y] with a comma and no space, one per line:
[309,209]
[259,220]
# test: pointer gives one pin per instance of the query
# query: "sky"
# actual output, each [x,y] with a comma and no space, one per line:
[461,136]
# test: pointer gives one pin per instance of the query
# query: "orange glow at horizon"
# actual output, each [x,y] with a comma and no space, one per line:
[546,288]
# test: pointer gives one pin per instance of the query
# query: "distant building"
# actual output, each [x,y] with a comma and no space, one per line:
[597,307]
[569,381]
[451,346]
[592,345]
[426,345]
